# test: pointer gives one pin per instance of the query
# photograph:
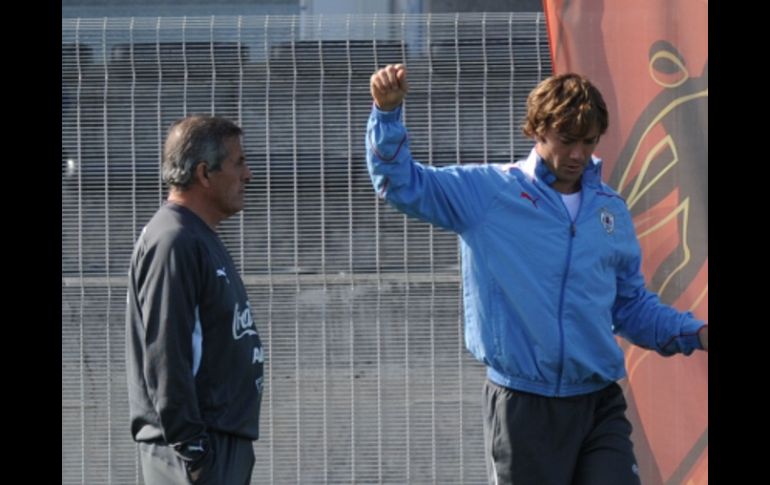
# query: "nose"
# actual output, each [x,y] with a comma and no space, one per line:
[579,152]
[247,175]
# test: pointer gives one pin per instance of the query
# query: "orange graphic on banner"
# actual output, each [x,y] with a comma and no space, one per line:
[650,60]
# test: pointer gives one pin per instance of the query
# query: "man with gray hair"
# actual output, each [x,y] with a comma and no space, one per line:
[194,357]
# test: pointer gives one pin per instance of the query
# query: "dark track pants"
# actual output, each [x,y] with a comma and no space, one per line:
[537,440]
[231,463]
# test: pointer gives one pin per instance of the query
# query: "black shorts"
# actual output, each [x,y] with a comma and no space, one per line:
[538,440]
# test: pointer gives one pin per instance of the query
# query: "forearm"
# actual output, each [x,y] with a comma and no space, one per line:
[169,322]
[387,155]
[648,323]
[171,385]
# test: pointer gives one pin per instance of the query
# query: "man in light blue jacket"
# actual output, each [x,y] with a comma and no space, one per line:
[551,271]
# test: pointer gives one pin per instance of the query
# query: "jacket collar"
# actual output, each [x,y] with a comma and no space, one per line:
[536,168]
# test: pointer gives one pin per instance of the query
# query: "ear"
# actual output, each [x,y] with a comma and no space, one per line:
[202,174]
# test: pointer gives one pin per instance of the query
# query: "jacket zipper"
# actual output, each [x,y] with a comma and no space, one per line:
[572,232]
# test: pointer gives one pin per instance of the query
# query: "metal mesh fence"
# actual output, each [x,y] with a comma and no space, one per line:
[359,308]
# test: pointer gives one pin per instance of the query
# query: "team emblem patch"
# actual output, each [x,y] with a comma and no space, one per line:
[608,220]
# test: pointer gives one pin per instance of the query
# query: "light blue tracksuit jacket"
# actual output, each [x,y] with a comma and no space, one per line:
[543,296]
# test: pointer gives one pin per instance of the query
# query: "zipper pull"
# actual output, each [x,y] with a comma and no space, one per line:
[572,229]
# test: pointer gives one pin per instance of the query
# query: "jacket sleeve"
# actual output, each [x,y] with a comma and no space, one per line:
[453,197]
[640,317]
[170,284]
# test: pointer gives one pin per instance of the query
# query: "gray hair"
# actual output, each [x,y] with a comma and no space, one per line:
[195,139]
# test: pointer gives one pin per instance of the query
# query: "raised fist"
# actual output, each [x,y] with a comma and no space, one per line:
[389,86]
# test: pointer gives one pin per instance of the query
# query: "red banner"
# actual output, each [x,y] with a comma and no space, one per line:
[649,58]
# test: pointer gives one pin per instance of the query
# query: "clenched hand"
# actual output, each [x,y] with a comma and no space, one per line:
[389,86]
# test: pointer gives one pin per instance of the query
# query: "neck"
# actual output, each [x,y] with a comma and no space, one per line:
[192,201]
[566,187]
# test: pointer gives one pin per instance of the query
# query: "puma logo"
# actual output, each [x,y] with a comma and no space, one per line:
[525,195]
[221,273]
